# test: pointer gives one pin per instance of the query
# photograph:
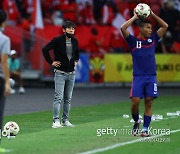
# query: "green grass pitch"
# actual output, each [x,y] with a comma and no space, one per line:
[37,137]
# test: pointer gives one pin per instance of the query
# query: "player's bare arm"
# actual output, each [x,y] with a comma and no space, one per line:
[163,25]
[5,69]
[124,27]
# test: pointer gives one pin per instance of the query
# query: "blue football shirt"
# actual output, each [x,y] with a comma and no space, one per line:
[143,54]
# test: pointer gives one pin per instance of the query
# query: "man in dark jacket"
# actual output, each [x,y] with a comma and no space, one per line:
[66,56]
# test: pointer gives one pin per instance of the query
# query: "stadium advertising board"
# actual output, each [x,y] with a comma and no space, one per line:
[118,68]
[82,68]
[96,66]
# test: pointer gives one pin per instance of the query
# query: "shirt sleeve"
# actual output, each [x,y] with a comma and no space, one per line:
[130,40]
[6,47]
[156,37]
[47,48]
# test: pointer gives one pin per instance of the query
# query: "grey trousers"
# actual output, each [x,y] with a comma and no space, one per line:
[64,83]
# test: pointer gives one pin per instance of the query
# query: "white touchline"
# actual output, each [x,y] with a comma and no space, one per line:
[128,142]
[124,143]
[7,150]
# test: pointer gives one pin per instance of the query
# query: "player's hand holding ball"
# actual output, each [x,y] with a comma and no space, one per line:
[135,14]
[143,10]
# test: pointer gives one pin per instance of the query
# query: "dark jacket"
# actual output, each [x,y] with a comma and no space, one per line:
[58,44]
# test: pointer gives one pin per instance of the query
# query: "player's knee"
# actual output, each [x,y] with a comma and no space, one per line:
[67,100]
[148,100]
[58,96]
[18,75]
[135,101]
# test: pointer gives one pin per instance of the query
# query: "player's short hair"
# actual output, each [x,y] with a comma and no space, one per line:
[3,16]
[142,22]
[68,24]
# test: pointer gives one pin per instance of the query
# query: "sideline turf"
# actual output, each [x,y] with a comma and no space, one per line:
[37,137]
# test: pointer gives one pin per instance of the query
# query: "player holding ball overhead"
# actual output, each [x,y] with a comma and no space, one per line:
[144,84]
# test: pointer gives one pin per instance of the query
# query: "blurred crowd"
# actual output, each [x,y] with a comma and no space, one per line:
[97,12]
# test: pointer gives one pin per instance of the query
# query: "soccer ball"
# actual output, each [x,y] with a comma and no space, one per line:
[143,10]
[12,128]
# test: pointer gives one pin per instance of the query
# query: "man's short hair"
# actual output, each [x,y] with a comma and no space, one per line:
[3,16]
[142,22]
[68,24]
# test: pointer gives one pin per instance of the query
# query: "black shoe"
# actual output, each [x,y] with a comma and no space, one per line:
[135,129]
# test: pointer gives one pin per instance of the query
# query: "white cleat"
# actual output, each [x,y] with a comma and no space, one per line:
[12,91]
[67,124]
[56,124]
[21,90]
